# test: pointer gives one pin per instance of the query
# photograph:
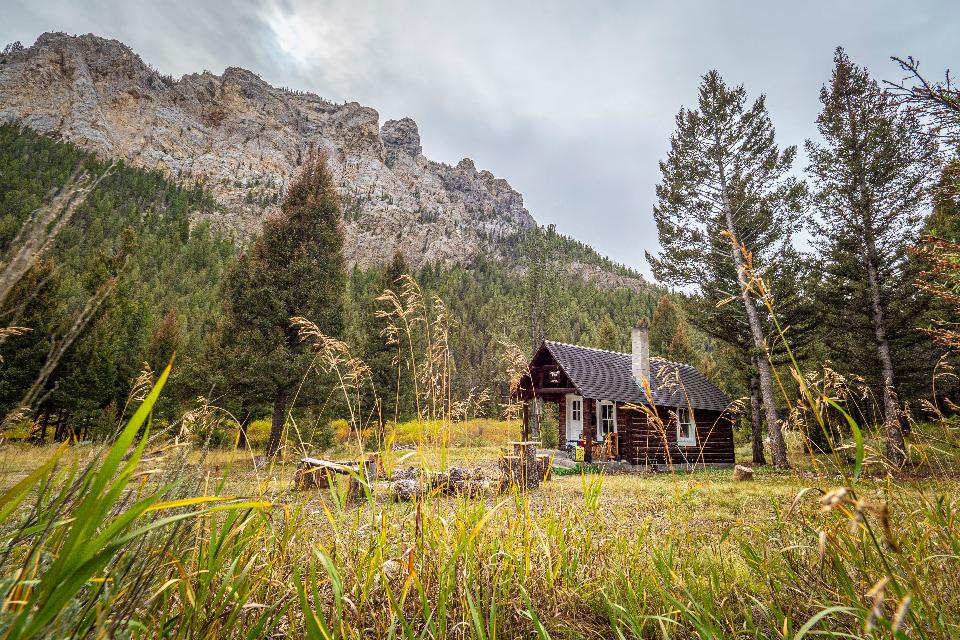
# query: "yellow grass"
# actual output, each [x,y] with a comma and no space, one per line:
[577,548]
[469,433]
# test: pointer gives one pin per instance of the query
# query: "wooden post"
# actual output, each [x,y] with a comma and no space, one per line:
[525,430]
[588,430]
[523,467]
[534,430]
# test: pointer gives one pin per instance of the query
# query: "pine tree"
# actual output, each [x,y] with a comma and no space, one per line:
[680,349]
[872,175]
[294,268]
[35,306]
[389,378]
[608,337]
[669,338]
[726,209]
[663,326]
[538,286]
[165,339]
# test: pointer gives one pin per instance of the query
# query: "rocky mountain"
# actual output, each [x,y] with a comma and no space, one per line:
[243,139]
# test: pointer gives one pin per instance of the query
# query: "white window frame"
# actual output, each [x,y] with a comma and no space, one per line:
[612,418]
[685,418]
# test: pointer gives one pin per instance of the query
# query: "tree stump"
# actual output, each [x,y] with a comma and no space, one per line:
[545,465]
[521,469]
[313,473]
[741,473]
[309,476]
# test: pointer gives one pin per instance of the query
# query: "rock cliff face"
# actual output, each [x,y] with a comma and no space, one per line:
[244,139]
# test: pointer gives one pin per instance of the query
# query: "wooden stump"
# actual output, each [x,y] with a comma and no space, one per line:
[521,469]
[742,473]
[374,466]
[309,476]
[545,465]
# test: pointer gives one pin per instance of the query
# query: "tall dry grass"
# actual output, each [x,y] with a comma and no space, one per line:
[145,541]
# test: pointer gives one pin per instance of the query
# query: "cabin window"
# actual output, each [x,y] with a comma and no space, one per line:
[686,428]
[608,419]
[576,409]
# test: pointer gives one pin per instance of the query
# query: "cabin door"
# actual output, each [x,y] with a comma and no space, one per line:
[574,417]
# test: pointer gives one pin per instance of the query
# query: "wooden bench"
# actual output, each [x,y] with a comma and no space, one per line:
[315,473]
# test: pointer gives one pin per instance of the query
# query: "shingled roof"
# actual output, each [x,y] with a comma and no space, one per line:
[608,375]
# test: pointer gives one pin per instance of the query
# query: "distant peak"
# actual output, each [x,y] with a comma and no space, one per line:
[401,136]
[239,73]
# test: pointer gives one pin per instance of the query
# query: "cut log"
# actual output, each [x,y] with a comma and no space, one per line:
[521,469]
[406,490]
[741,473]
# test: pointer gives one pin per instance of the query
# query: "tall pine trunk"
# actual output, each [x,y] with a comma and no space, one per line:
[242,427]
[895,445]
[279,419]
[778,447]
[756,421]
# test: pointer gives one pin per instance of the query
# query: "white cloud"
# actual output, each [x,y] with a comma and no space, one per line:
[572,102]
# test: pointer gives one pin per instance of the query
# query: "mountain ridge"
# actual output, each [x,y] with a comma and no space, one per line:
[242,139]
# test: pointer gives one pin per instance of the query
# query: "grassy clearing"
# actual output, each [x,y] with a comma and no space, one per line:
[194,542]
[155,538]
[666,555]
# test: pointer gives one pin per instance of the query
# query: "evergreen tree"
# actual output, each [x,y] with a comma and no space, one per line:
[164,340]
[726,209]
[944,220]
[608,337]
[669,338]
[871,175]
[294,268]
[35,306]
[538,286]
[663,326]
[788,285]
[386,361]
[680,349]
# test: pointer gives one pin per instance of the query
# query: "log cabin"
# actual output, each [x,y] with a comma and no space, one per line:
[661,414]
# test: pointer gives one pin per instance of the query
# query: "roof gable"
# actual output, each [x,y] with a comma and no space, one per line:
[608,375]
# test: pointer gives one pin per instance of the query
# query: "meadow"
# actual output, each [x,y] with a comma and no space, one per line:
[155,538]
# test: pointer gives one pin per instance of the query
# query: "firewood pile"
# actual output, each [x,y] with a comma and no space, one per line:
[412,483]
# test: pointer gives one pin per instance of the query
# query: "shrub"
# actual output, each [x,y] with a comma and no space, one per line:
[215,434]
[339,430]
[18,431]
[326,434]
[258,432]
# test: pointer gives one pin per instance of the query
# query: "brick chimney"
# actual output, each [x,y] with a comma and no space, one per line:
[640,339]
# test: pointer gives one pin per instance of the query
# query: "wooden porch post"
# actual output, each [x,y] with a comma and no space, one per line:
[588,430]
[525,431]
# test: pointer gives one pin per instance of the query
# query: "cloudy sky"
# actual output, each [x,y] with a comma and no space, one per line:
[572,102]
